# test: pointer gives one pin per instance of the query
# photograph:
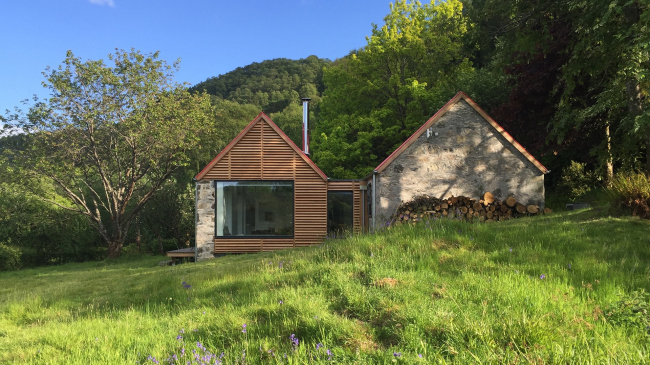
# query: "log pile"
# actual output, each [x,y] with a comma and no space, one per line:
[488,209]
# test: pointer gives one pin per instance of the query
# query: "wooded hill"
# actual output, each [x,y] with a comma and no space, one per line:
[273,86]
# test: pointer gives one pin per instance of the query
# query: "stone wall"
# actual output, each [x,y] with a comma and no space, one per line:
[467,157]
[204,219]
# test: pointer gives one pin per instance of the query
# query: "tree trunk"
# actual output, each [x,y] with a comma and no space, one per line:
[160,245]
[115,248]
[137,237]
[609,161]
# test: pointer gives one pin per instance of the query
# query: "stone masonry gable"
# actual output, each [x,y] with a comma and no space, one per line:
[465,155]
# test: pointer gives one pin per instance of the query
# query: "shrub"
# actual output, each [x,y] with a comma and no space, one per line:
[576,181]
[9,257]
[168,244]
[630,193]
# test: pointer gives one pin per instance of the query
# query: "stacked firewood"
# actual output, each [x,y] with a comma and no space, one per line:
[488,209]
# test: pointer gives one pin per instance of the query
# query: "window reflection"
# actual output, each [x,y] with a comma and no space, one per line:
[254,208]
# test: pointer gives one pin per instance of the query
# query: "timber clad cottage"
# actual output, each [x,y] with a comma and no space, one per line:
[263,193]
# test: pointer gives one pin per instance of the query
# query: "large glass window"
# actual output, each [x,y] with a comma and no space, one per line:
[339,213]
[254,208]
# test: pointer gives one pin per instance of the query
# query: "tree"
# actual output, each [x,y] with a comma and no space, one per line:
[609,62]
[109,136]
[378,96]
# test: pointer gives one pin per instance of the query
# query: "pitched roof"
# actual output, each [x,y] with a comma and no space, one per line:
[260,117]
[443,111]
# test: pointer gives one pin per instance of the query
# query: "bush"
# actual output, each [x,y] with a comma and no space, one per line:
[630,193]
[576,181]
[9,257]
[168,245]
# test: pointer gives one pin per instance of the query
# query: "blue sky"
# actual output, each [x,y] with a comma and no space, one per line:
[210,37]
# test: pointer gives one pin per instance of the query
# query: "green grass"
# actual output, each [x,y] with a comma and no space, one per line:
[452,292]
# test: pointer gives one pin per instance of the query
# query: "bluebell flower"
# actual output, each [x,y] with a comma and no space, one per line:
[294,341]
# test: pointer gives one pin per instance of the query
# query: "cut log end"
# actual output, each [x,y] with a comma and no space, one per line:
[488,197]
[532,209]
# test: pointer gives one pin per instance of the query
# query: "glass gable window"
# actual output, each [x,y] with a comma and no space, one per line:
[339,213]
[254,208]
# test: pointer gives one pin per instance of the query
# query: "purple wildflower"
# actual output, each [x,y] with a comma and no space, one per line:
[186,285]
[319,345]
[569,265]
[397,354]
[294,341]
[243,326]
[281,302]
[420,356]
[179,337]
[542,276]
[510,249]
[329,354]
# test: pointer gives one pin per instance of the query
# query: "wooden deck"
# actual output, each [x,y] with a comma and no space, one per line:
[182,253]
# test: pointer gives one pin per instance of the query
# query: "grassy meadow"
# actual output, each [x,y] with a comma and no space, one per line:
[565,288]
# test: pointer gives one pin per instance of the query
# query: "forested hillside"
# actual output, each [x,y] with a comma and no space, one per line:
[273,86]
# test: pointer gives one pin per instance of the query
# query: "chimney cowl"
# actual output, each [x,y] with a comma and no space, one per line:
[305,125]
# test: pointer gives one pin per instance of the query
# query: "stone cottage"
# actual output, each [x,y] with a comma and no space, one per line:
[459,151]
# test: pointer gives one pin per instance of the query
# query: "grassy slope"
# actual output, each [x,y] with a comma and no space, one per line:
[455,292]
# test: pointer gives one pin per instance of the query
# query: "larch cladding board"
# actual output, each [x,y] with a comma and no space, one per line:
[356,197]
[262,154]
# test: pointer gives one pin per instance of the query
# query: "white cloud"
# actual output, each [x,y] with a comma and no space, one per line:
[102,2]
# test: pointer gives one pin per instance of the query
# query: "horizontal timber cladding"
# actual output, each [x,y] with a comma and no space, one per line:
[251,244]
[263,154]
[354,186]
[310,210]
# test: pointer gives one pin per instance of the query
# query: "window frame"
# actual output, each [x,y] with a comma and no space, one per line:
[248,237]
[351,207]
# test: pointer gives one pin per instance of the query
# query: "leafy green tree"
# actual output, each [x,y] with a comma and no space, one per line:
[609,62]
[379,95]
[110,136]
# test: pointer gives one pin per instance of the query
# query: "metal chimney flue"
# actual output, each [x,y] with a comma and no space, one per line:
[305,125]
